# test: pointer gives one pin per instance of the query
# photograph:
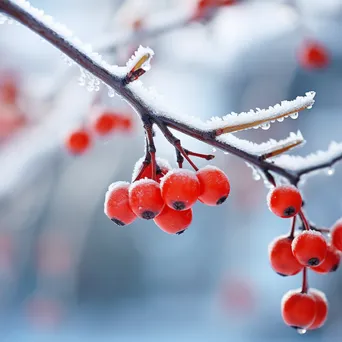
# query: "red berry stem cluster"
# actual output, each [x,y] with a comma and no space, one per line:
[163,194]
[103,122]
[304,309]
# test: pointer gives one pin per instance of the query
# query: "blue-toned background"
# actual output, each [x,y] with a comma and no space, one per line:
[67,273]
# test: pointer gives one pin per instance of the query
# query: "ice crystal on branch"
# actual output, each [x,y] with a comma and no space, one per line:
[315,161]
[265,148]
[246,120]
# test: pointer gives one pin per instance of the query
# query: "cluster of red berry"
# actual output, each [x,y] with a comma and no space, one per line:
[103,123]
[304,309]
[167,197]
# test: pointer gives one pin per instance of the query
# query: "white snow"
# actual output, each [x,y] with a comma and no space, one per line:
[142,182]
[139,53]
[260,149]
[311,234]
[320,294]
[268,115]
[298,163]
[180,174]
[114,186]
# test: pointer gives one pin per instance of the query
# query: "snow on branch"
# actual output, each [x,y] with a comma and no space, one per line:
[261,117]
[214,132]
[266,149]
[312,162]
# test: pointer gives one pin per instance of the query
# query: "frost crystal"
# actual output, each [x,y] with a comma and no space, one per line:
[298,163]
[260,149]
[270,114]
[140,53]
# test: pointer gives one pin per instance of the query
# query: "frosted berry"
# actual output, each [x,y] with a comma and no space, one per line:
[145,198]
[309,248]
[330,263]
[313,55]
[284,201]
[116,205]
[105,123]
[336,235]
[180,189]
[321,309]
[281,257]
[78,141]
[214,185]
[298,309]
[173,221]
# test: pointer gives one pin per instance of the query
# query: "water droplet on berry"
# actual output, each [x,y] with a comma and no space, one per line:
[301,331]
[214,149]
[90,87]
[294,115]
[265,126]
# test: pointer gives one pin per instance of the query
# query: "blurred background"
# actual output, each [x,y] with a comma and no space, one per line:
[67,273]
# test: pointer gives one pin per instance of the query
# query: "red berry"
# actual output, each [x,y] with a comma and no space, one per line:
[105,123]
[309,248]
[78,141]
[298,309]
[116,205]
[125,123]
[180,189]
[336,235]
[330,263]
[281,258]
[8,90]
[145,198]
[173,221]
[313,55]
[214,185]
[284,201]
[321,309]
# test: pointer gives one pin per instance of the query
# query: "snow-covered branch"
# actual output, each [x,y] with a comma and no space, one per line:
[215,132]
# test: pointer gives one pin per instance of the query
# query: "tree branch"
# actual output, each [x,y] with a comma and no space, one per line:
[134,93]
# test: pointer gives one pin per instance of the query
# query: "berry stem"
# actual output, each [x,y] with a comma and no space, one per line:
[199,155]
[151,150]
[305,284]
[146,162]
[304,220]
[293,227]
[180,159]
[176,143]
